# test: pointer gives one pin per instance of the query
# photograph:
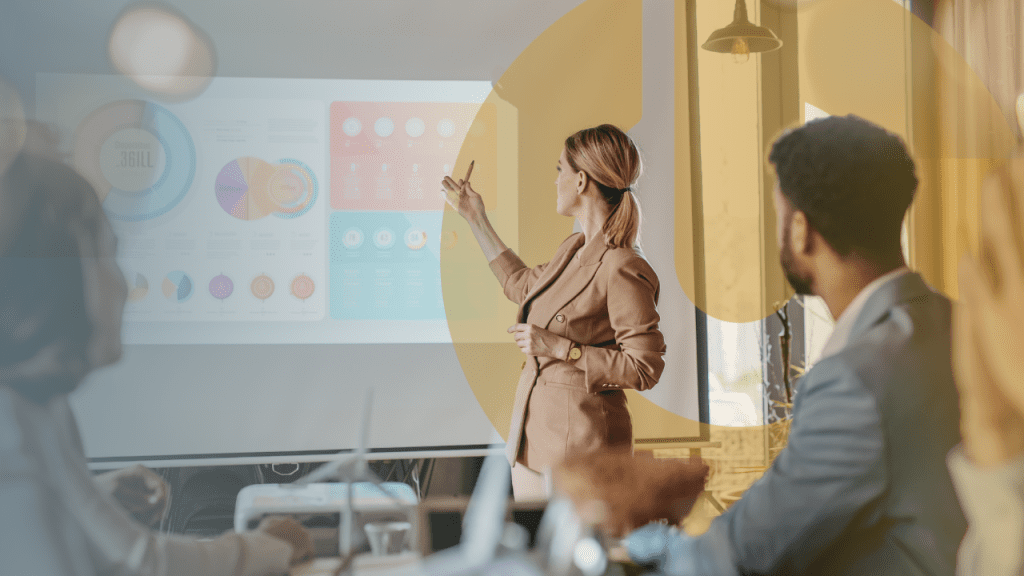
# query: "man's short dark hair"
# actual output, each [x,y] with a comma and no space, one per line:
[853,180]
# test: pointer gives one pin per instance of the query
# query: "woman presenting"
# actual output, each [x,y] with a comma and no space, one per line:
[587,319]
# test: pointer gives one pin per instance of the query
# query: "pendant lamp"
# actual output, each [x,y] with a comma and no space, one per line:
[741,37]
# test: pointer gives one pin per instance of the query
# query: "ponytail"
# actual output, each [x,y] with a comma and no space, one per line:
[613,163]
[622,228]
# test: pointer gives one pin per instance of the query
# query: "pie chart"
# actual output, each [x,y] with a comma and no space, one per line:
[177,287]
[138,289]
[138,156]
[250,188]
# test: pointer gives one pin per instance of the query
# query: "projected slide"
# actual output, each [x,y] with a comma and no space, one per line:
[251,216]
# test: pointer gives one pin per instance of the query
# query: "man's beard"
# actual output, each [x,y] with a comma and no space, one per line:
[801,283]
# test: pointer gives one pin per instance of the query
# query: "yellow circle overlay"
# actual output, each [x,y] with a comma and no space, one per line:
[585,70]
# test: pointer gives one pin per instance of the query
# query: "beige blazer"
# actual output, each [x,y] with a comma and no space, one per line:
[566,408]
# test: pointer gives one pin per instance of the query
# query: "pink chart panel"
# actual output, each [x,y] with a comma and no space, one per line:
[393,155]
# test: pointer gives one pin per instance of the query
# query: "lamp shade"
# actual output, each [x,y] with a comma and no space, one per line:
[757,38]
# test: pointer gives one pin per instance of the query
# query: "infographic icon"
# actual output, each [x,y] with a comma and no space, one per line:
[384,238]
[138,288]
[138,155]
[262,287]
[303,286]
[415,238]
[221,287]
[178,287]
[249,188]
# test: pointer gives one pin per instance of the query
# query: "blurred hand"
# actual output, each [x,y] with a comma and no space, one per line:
[536,341]
[461,196]
[138,490]
[648,545]
[989,326]
[291,531]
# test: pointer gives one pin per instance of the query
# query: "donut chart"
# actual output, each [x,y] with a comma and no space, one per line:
[415,238]
[303,287]
[178,287]
[262,287]
[293,189]
[449,238]
[250,188]
[138,155]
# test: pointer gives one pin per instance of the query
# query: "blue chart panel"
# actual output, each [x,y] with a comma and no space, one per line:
[381,268]
[140,157]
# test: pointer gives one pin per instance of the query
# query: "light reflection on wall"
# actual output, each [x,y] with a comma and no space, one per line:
[161,51]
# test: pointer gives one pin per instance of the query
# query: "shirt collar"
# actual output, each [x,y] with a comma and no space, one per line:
[844,325]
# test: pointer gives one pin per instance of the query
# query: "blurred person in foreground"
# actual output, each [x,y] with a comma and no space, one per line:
[862,487]
[61,299]
[988,346]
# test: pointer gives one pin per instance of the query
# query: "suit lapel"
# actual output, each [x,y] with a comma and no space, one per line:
[570,287]
[554,269]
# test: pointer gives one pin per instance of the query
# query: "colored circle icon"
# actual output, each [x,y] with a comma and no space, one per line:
[303,286]
[384,127]
[292,189]
[352,126]
[250,188]
[138,156]
[449,239]
[262,287]
[384,238]
[138,288]
[352,238]
[446,128]
[177,287]
[415,238]
[221,287]
[415,127]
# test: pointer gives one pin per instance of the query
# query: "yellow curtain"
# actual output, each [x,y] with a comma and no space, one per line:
[977,80]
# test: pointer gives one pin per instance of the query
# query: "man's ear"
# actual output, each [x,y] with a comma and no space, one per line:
[801,235]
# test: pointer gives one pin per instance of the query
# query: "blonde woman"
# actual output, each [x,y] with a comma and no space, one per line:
[587,320]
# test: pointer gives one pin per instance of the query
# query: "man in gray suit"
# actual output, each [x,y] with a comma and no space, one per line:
[861,488]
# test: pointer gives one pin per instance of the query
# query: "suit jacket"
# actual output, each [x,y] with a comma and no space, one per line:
[861,487]
[608,304]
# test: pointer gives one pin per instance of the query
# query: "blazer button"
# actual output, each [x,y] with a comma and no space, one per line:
[560,317]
